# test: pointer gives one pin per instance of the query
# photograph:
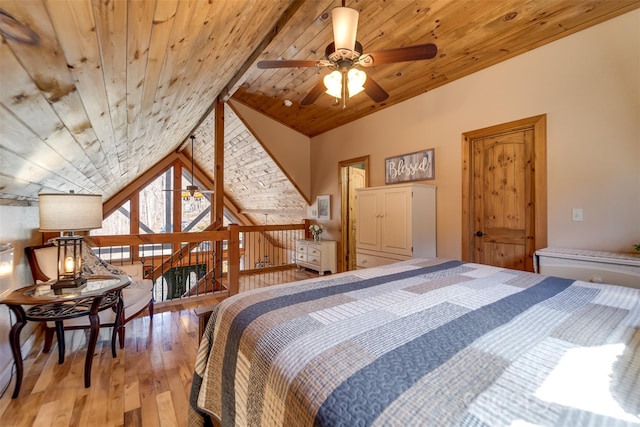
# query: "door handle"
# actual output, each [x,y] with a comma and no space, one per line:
[479,233]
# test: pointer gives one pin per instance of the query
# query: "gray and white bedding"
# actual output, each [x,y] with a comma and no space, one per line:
[422,343]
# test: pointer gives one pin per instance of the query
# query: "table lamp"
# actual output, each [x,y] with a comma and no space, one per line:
[66,213]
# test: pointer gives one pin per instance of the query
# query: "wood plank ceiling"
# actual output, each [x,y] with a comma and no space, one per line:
[254,182]
[95,92]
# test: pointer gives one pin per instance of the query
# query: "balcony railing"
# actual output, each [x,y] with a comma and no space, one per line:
[184,265]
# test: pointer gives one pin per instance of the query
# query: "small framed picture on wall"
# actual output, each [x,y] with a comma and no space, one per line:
[324,207]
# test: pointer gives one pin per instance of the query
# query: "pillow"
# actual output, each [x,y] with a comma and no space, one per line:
[94,265]
[91,263]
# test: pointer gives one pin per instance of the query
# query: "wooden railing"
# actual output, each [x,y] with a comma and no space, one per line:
[183,265]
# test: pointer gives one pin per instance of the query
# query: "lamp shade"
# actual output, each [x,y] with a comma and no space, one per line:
[70,211]
[345,26]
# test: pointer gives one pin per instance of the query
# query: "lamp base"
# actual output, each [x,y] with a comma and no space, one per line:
[78,282]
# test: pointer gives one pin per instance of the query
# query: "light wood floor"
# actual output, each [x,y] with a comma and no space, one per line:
[147,384]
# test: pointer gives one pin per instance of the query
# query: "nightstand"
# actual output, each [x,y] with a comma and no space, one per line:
[317,255]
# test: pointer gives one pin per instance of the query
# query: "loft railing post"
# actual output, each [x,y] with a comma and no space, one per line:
[134,224]
[233,268]
[307,233]
[218,259]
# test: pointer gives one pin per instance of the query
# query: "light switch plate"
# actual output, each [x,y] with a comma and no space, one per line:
[576,214]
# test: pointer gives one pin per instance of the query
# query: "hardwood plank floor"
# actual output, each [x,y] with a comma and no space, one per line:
[147,384]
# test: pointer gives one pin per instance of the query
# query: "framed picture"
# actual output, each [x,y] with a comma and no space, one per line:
[324,207]
[418,166]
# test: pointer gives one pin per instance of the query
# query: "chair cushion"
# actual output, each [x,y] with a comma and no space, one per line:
[136,296]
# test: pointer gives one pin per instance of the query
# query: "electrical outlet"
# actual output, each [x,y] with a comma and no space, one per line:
[576,214]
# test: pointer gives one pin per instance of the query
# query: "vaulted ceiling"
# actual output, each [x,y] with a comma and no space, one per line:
[95,92]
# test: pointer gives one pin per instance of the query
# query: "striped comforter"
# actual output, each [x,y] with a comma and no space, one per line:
[422,343]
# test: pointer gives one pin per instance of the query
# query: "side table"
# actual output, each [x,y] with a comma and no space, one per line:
[319,255]
[99,293]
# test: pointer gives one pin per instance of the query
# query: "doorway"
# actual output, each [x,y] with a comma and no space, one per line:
[353,175]
[504,193]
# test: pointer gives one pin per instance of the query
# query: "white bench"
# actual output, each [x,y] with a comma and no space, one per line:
[614,268]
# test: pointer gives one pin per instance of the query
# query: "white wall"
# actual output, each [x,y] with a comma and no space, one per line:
[18,226]
[588,84]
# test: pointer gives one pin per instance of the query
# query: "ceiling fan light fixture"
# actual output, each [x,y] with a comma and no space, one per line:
[355,81]
[345,55]
[345,26]
[333,83]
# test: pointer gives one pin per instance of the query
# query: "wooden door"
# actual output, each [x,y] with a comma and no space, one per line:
[396,221]
[357,179]
[350,170]
[504,217]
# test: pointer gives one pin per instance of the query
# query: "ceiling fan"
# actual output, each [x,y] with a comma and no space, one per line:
[192,192]
[344,56]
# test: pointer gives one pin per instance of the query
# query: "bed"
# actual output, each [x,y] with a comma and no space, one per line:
[422,343]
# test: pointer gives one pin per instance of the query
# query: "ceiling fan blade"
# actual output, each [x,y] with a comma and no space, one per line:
[317,90]
[401,54]
[374,90]
[286,63]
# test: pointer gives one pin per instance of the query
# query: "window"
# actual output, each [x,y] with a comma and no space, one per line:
[155,205]
[118,222]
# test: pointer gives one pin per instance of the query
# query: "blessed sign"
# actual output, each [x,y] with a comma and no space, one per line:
[418,166]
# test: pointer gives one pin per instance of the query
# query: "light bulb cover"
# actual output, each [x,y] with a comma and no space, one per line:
[355,81]
[69,263]
[333,83]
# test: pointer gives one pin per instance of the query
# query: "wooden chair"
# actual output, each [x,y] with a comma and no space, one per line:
[136,297]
